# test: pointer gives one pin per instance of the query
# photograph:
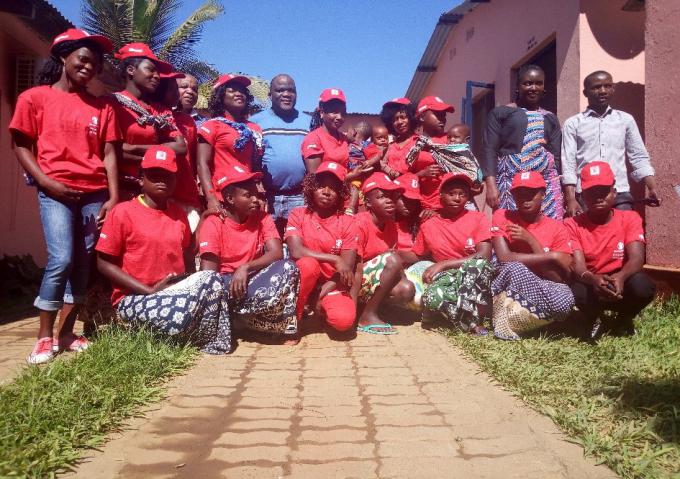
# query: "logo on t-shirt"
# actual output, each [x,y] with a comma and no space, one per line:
[470,246]
[93,127]
[546,249]
[338,246]
[618,252]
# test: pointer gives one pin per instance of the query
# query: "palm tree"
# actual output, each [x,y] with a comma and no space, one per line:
[153,22]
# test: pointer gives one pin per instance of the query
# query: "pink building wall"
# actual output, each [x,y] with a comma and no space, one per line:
[663,141]
[20,229]
[497,36]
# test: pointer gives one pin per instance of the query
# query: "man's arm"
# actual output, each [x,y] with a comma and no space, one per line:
[569,167]
[638,157]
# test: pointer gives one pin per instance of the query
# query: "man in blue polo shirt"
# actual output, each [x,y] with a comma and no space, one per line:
[283,129]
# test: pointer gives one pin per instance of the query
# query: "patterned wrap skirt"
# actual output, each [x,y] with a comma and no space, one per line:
[370,279]
[194,309]
[414,274]
[523,302]
[458,293]
[271,298]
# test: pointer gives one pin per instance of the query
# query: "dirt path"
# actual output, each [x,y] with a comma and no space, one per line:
[405,406]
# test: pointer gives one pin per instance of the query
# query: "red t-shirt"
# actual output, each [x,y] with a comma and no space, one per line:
[550,233]
[234,243]
[405,240]
[320,142]
[136,134]
[604,245]
[147,244]
[396,155]
[372,240]
[429,186]
[186,189]
[372,150]
[222,138]
[326,235]
[70,130]
[455,238]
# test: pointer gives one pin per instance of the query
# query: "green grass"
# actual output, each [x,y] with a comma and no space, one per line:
[48,415]
[619,398]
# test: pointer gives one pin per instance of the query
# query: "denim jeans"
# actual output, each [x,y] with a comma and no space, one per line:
[70,232]
[280,206]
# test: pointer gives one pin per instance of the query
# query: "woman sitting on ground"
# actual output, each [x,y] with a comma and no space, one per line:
[144,247]
[381,270]
[534,254]
[609,253]
[323,242]
[459,282]
[246,249]
[228,138]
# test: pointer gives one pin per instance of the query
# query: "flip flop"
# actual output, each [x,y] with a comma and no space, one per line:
[376,329]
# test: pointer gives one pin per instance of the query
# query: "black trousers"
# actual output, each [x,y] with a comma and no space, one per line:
[638,292]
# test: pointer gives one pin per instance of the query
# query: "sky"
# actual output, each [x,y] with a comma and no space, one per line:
[368,48]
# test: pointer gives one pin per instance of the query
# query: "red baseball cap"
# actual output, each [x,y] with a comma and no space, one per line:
[397,101]
[434,103]
[332,94]
[334,168]
[160,157]
[597,173]
[448,177]
[135,50]
[73,34]
[381,181]
[409,182]
[231,77]
[237,174]
[172,75]
[527,179]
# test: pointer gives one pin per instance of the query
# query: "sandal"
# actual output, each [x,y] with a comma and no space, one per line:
[377,329]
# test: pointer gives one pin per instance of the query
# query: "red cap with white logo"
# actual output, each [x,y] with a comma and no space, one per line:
[411,185]
[237,174]
[231,77]
[527,179]
[73,34]
[397,101]
[336,169]
[597,173]
[434,103]
[142,50]
[449,177]
[160,157]
[332,94]
[381,181]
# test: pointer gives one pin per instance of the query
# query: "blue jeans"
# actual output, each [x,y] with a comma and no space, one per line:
[280,206]
[70,232]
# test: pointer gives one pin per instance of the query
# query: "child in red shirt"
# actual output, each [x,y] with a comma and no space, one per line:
[228,138]
[323,242]
[144,248]
[609,253]
[458,282]
[534,254]
[65,141]
[399,117]
[143,121]
[246,249]
[381,270]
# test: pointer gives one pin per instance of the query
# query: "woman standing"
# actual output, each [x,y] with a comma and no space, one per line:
[143,122]
[74,168]
[228,139]
[523,137]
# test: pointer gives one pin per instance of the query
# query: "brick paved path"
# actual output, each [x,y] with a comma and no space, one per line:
[404,406]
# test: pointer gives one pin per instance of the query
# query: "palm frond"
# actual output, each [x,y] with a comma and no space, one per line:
[179,45]
[111,18]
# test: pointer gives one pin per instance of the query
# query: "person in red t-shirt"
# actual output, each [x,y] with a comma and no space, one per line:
[228,138]
[609,253]
[381,271]
[399,117]
[143,121]
[246,249]
[65,141]
[144,249]
[324,241]
[534,254]
[459,281]
[186,189]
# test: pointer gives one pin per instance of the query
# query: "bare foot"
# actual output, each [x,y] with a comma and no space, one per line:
[369,318]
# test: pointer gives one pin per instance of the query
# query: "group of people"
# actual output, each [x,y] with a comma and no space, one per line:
[273,218]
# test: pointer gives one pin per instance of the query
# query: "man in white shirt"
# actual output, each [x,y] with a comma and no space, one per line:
[603,133]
